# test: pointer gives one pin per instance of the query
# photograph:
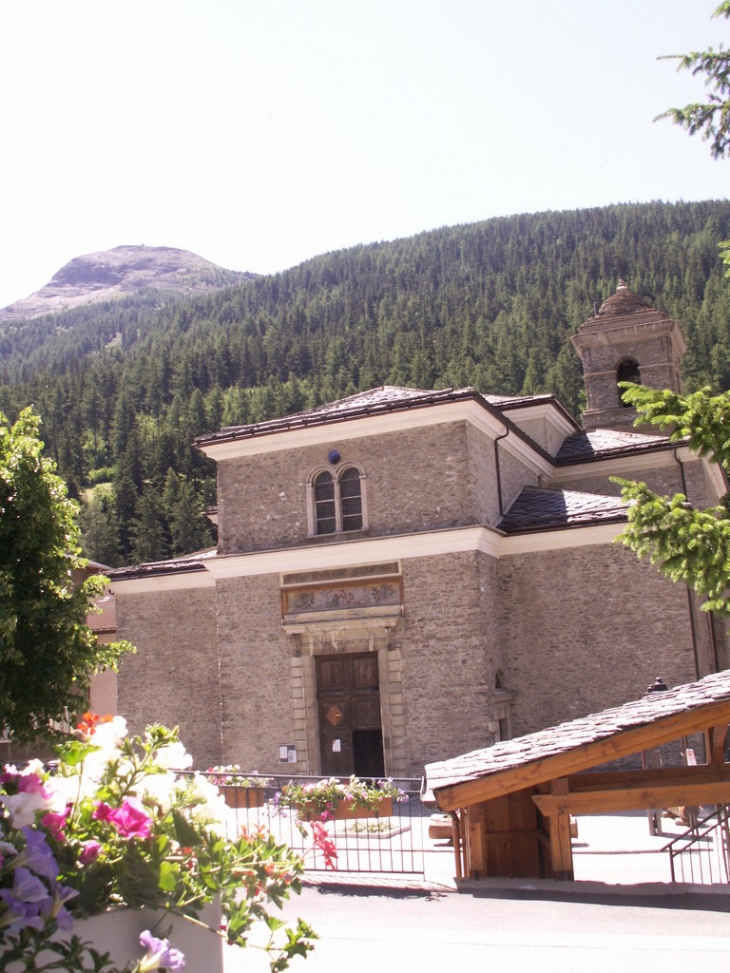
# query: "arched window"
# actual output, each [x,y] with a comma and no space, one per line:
[336,501]
[324,503]
[351,499]
[627,371]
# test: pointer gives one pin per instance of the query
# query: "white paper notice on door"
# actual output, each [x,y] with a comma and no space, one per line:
[336,746]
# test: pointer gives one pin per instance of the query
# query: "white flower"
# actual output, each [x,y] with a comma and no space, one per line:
[109,735]
[22,807]
[211,810]
[174,756]
[159,788]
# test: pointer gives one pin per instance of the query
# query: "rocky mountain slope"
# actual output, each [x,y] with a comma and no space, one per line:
[120,272]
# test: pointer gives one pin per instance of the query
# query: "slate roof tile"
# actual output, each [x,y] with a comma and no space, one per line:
[538,509]
[510,754]
[584,446]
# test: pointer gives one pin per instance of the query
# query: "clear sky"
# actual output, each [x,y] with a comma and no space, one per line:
[258,133]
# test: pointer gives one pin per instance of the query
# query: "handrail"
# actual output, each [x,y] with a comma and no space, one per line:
[708,837]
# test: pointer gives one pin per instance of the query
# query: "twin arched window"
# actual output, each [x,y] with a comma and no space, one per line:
[337,501]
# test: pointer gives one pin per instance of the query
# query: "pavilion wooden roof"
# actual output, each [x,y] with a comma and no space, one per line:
[582,744]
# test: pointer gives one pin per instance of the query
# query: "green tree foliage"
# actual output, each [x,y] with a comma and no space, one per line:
[47,651]
[711,118]
[688,545]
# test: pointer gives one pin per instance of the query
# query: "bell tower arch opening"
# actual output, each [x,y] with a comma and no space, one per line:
[626,340]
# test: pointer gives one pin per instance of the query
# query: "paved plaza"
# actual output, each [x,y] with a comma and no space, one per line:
[620,913]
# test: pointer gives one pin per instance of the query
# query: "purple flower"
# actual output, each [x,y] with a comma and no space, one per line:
[18,914]
[25,901]
[159,954]
[37,855]
[27,887]
[56,909]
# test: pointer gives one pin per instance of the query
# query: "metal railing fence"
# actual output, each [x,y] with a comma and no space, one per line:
[371,842]
[701,856]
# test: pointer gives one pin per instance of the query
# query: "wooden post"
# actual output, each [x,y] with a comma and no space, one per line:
[477,851]
[561,851]
[456,841]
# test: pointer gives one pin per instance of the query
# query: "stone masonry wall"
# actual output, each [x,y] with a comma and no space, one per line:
[255,660]
[415,480]
[513,478]
[482,476]
[449,655]
[173,677]
[587,628]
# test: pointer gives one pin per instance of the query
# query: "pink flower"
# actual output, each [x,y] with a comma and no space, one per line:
[55,823]
[325,844]
[90,852]
[130,820]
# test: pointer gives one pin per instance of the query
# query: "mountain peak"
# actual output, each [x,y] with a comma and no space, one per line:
[121,272]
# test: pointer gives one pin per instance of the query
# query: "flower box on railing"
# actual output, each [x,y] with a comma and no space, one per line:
[243,797]
[347,811]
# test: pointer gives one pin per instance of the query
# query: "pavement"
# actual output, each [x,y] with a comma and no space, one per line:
[622,911]
[613,853]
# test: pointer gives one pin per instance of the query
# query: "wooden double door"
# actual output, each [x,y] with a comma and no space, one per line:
[350,729]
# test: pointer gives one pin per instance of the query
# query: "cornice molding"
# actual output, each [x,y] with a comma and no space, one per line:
[483,417]
[400,547]
[172,581]
[622,465]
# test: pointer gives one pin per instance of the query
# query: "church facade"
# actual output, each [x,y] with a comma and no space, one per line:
[406,575]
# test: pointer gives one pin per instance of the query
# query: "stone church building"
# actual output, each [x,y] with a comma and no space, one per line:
[406,575]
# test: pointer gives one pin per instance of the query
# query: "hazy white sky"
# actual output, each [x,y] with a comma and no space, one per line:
[258,133]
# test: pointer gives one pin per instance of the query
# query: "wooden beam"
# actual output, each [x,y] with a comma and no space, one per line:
[632,799]
[608,780]
[715,743]
[623,743]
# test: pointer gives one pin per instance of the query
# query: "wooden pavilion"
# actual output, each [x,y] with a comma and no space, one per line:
[511,803]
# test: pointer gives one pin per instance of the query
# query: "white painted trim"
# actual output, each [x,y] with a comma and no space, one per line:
[544,410]
[371,550]
[162,582]
[627,466]
[717,477]
[560,540]
[365,551]
[381,423]
[622,465]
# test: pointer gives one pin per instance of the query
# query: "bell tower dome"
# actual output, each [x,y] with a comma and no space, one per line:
[627,340]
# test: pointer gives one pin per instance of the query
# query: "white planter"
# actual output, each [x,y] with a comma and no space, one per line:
[117,933]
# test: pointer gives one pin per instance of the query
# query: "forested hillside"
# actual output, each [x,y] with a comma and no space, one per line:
[124,387]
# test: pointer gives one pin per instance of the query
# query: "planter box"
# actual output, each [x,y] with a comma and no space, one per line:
[348,811]
[243,797]
[117,933]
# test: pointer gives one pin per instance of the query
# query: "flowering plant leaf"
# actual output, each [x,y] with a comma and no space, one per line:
[114,825]
[185,833]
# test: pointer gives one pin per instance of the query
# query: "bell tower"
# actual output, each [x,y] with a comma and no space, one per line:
[627,340]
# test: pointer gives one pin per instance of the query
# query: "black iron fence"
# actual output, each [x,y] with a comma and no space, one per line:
[386,839]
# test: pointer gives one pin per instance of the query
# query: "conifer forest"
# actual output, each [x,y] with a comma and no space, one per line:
[125,386]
